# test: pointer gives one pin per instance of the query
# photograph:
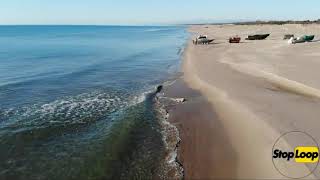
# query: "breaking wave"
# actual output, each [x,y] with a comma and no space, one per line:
[80,109]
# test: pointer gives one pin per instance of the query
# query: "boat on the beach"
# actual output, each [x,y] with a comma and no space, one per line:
[308,37]
[288,36]
[202,39]
[293,40]
[302,39]
[235,39]
[258,37]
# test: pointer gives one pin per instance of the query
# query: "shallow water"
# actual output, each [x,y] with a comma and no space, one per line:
[73,101]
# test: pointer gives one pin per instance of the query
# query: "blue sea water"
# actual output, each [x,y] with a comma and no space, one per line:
[73,104]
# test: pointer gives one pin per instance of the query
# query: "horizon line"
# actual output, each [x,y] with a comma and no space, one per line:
[200,22]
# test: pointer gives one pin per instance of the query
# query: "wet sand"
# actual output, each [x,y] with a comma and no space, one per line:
[244,97]
[204,150]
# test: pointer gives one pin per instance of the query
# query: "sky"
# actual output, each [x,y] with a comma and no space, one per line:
[138,12]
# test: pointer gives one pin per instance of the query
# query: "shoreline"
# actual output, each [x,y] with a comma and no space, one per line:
[193,150]
[240,99]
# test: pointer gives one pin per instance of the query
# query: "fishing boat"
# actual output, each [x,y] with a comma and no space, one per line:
[235,39]
[258,37]
[293,40]
[308,37]
[202,39]
[302,39]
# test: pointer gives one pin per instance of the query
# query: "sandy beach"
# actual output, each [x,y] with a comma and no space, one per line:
[242,97]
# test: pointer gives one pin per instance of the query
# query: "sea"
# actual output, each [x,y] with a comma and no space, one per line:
[77,102]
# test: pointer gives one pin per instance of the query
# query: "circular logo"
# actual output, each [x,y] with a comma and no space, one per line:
[295,154]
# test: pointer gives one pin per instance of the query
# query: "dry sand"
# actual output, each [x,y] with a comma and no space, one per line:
[252,93]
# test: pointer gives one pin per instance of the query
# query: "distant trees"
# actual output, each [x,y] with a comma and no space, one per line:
[279,22]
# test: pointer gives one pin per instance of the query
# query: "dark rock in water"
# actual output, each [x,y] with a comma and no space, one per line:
[159,89]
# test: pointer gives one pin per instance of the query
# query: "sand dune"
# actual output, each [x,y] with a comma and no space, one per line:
[259,90]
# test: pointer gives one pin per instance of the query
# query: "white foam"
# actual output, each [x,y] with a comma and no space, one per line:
[71,109]
[171,139]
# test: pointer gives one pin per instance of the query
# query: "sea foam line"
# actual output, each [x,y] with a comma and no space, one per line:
[171,138]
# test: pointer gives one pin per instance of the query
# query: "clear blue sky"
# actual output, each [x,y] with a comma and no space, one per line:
[152,11]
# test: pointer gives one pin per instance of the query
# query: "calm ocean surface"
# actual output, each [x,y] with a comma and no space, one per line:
[73,104]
